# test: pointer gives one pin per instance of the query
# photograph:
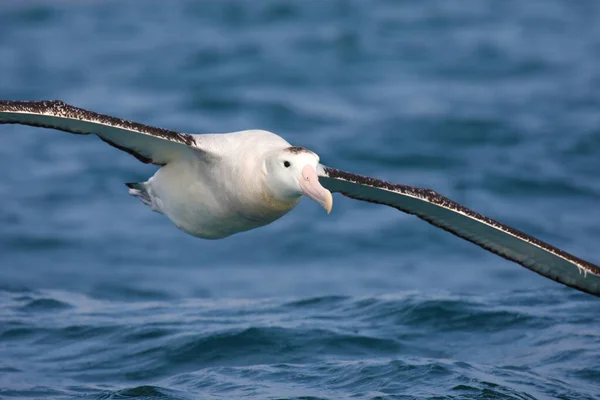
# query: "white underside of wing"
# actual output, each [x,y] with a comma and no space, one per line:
[149,144]
[491,235]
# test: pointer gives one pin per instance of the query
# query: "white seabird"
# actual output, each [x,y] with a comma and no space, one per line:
[214,185]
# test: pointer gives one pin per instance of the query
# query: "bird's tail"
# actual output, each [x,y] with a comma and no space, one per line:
[140,190]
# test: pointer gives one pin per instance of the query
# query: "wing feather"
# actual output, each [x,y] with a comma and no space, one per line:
[483,231]
[147,143]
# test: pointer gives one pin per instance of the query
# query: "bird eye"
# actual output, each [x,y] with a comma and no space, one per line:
[286,164]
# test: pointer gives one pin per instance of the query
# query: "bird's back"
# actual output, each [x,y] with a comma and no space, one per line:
[219,192]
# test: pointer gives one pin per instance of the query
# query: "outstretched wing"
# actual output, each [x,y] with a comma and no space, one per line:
[493,236]
[146,143]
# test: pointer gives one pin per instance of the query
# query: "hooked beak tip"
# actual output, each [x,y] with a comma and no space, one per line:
[328,203]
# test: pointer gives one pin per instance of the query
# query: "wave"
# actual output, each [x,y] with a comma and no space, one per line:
[518,345]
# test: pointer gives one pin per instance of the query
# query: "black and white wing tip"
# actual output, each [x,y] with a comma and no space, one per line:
[485,232]
[147,143]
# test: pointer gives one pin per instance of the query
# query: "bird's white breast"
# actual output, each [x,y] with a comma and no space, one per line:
[215,198]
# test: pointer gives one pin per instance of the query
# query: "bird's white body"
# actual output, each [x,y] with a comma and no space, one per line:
[222,191]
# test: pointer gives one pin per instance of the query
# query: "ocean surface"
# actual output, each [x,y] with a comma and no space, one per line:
[495,104]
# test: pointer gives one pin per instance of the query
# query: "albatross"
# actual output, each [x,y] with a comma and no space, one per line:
[215,185]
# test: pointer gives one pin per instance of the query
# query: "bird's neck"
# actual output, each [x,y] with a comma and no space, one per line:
[258,203]
[275,204]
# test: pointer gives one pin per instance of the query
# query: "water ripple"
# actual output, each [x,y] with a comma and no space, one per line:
[333,345]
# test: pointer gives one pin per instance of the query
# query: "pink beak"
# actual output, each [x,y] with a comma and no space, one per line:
[312,188]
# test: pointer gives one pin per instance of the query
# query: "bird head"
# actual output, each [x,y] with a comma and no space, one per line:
[292,172]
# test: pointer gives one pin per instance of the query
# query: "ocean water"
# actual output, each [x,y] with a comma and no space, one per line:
[495,104]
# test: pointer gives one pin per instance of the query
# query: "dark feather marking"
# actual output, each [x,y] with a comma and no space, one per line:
[140,157]
[433,197]
[297,150]
[57,108]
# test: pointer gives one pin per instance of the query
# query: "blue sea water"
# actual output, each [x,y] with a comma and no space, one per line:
[495,104]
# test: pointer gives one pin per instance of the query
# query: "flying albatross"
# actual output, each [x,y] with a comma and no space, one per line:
[214,185]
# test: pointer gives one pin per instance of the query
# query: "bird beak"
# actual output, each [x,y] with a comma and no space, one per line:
[309,182]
